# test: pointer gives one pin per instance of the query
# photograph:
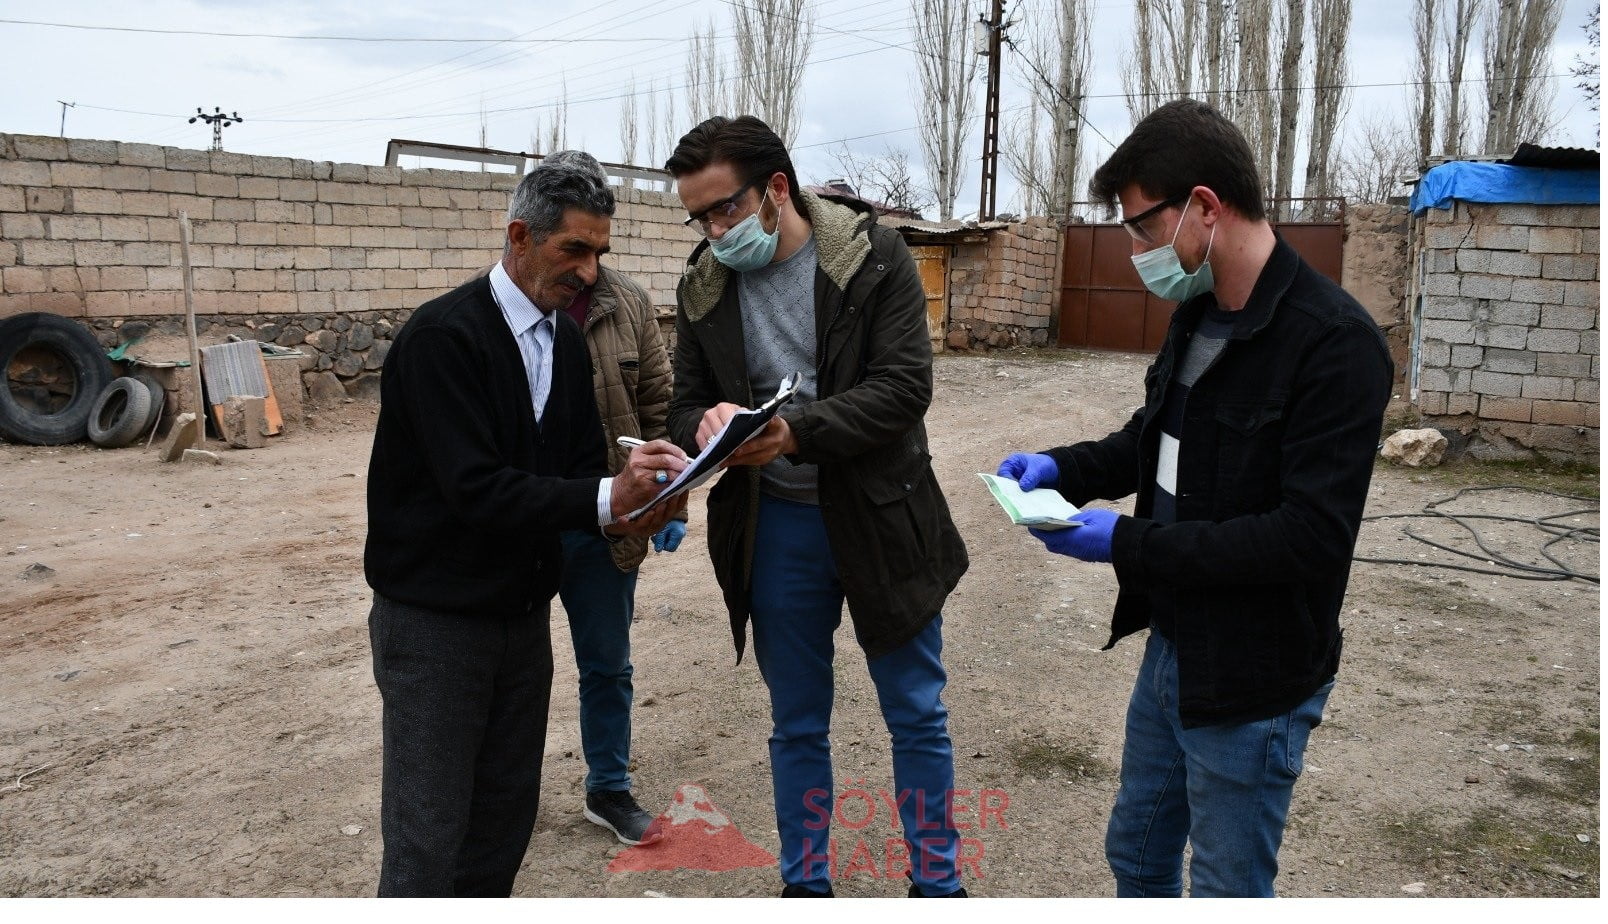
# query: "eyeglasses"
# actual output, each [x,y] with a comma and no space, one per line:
[1133,225]
[725,209]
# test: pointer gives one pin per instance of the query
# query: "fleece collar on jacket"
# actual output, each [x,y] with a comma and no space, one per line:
[842,242]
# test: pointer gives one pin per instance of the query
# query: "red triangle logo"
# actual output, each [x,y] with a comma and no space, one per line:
[692,834]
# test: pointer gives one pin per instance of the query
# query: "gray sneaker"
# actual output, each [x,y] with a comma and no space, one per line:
[617,811]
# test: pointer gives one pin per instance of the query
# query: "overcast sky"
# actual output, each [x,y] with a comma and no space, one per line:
[343,100]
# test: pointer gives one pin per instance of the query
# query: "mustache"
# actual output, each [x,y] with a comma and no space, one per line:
[571,280]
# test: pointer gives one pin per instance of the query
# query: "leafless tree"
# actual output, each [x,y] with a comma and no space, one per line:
[945,66]
[669,131]
[1055,64]
[1456,31]
[773,40]
[1162,64]
[1024,154]
[628,123]
[1587,68]
[1331,27]
[1378,154]
[650,124]
[883,178]
[708,88]
[555,137]
[1424,22]
[1290,30]
[1518,97]
[1252,105]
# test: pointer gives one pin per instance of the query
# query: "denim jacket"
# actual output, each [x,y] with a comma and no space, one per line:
[1277,449]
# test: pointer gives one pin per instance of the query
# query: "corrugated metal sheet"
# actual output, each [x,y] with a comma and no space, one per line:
[1531,155]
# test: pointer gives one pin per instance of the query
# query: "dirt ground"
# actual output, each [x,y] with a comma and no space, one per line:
[188,707]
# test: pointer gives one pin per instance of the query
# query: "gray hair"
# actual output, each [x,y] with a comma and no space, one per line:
[563,180]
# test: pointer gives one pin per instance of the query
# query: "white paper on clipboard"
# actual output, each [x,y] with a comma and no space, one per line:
[743,426]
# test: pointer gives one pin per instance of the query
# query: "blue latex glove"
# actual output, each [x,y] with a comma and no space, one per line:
[1089,542]
[1030,470]
[667,539]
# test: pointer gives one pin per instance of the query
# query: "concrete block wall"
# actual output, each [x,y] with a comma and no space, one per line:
[1002,292]
[90,229]
[1509,332]
[1375,268]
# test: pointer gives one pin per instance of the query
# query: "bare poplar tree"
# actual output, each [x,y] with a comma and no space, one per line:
[628,123]
[1587,68]
[883,178]
[1518,97]
[945,66]
[650,124]
[558,119]
[1290,29]
[670,132]
[1252,104]
[1378,154]
[708,89]
[1166,48]
[773,44]
[1457,31]
[1024,157]
[1055,65]
[1331,27]
[1424,21]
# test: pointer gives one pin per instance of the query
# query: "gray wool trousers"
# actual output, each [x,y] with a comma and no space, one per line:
[464,722]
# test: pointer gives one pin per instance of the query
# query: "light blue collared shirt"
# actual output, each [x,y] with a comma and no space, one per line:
[533,332]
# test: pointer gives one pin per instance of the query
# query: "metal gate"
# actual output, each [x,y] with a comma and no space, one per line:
[1104,306]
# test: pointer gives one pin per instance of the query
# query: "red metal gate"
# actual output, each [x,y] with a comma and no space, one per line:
[1104,306]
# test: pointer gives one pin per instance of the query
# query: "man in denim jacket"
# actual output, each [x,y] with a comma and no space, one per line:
[1251,459]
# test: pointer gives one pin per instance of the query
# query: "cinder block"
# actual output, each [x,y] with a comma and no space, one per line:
[311,258]
[331,236]
[370,195]
[67,173]
[40,199]
[1540,291]
[1564,413]
[123,277]
[1435,353]
[350,173]
[385,176]
[1569,267]
[257,233]
[169,181]
[1566,318]
[283,212]
[1481,286]
[1501,237]
[355,216]
[155,303]
[1554,240]
[95,152]
[276,258]
[276,167]
[45,253]
[1472,260]
[1567,365]
[18,226]
[289,235]
[254,281]
[1586,390]
[244,257]
[1514,312]
[1508,263]
[1582,294]
[1545,340]
[187,160]
[1499,408]
[1588,344]
[105,304]
[233,209]
[1548,387]
[259,187]
[1462,403]
[1465,356]
[12,199]
[1502,336]
[1498,384]
[145,203]
[147,254]
[228,162]
[216,186]
[1432,402]
[95,253]
[39,147]
[137,179]
[365,279]
[141,155]
[1448,238]
[15,280]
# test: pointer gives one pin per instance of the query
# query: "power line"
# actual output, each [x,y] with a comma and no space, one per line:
[341,38]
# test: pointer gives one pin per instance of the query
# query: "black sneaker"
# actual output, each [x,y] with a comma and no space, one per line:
[617,811]
[800,891]
[915,892]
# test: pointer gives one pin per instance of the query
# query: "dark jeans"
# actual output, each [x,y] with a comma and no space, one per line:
[599,599]
[465,718]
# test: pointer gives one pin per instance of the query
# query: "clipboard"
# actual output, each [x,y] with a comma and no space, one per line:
[742,427]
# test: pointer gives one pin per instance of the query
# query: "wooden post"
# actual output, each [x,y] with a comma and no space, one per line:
[189,321]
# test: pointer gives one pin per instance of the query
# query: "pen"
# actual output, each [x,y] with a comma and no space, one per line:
[631,442]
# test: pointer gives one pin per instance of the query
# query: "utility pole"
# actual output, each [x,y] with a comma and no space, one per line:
[218,121]
[991,30]
[64,106]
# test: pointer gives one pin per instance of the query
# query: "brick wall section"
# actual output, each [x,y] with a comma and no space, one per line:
[89,229]
[1002,293]
[1511,317]
[1375,269]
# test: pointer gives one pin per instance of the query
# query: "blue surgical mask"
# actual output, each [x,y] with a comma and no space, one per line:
[1164,275]
[747,245]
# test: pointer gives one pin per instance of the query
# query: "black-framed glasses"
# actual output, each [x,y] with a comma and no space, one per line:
[1132,225]
[724,209]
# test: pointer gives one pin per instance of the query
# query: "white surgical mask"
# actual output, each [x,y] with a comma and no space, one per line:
[747,245]
[1164,275]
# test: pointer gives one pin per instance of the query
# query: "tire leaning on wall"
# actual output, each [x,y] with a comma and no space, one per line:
[121,413]
[76,353]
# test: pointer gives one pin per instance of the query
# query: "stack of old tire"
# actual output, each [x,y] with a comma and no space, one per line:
[59,387]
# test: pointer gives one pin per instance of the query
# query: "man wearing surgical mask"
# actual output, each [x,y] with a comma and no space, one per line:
[1251,459]
[835,500]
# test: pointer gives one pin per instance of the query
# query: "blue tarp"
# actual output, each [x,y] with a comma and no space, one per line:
[1481,182]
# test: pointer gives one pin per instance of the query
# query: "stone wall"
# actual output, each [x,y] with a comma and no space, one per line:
[1002,292]
[1374,270]
[282,247]
[1510,324]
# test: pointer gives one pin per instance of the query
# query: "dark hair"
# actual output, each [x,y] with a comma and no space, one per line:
[562,181]
[754,152]
[1181,145]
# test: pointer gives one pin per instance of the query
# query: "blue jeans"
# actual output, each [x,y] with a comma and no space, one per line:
[1223,788]
[599,600]
[797,603]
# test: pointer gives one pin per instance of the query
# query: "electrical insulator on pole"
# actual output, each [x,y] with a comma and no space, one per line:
[218,120]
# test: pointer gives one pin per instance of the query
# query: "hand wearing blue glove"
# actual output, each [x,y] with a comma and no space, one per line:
[1089,542]
[1030,470]
[667,539]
